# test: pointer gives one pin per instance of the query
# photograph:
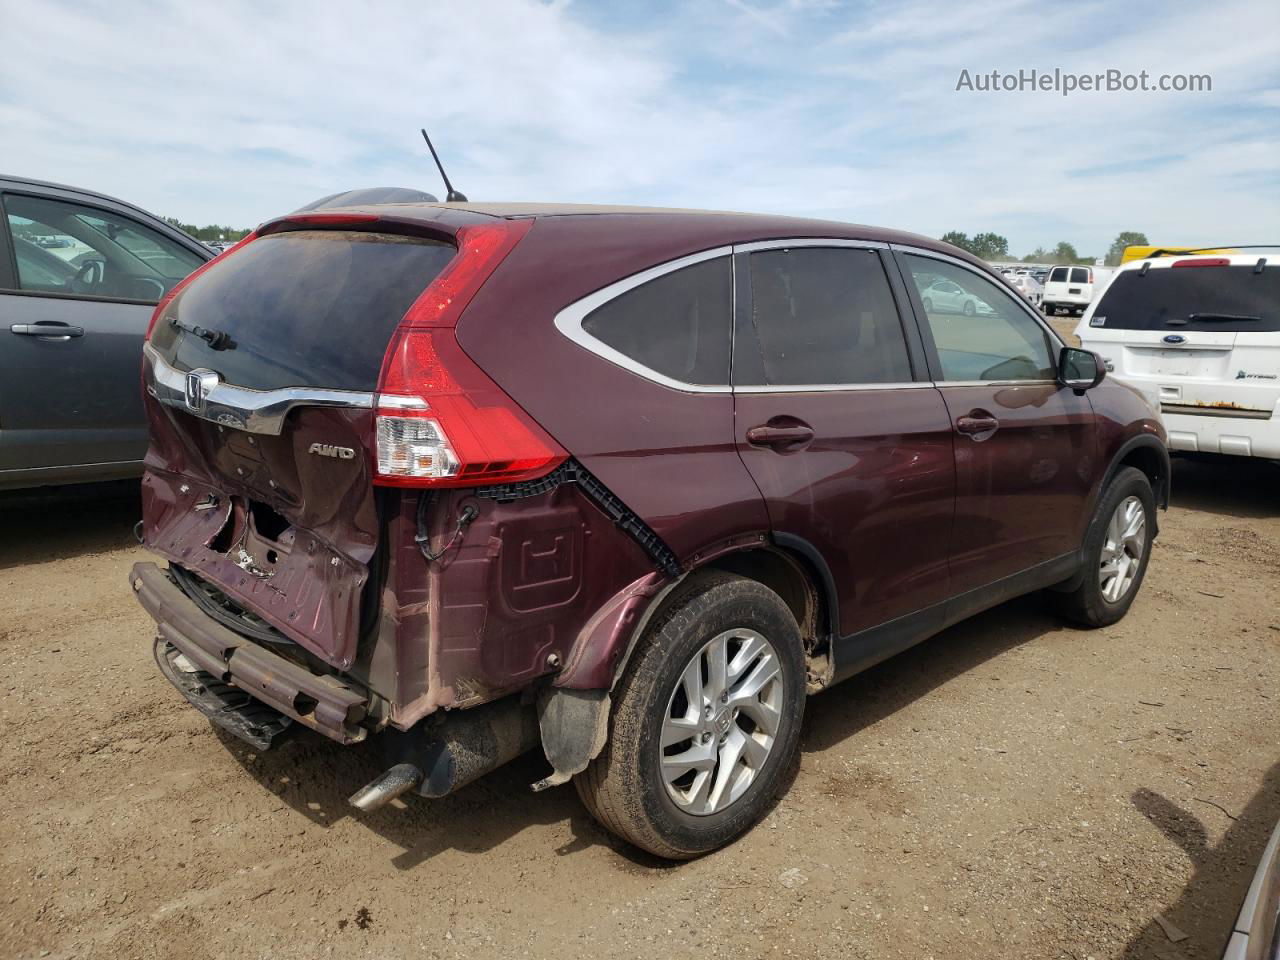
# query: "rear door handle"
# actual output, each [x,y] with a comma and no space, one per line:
[48,328]
[974,425]
[778,437]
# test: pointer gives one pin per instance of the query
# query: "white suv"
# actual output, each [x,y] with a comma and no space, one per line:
[1203,334]
[1068,288]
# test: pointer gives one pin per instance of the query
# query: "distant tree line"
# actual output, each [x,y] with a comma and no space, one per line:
[992,246]
[212,232]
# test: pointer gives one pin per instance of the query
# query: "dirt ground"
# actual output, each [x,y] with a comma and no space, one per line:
[1011,788]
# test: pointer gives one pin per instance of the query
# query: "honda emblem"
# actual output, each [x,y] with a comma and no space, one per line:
[199,383]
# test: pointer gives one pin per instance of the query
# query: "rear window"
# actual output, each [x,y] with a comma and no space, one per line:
[304,308]
[1059,275]
[1079,275]
[678,325]
[1192,298]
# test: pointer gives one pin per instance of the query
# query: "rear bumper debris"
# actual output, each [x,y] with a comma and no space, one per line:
[323,703]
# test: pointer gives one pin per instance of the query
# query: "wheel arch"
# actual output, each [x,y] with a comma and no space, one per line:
[1148,454]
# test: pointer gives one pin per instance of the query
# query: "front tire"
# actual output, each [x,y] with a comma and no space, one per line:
[1117,549]
[705,720]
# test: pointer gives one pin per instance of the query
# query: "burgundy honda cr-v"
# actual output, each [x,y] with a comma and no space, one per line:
[628,484]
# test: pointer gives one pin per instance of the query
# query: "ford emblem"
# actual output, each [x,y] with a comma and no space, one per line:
[1175,338]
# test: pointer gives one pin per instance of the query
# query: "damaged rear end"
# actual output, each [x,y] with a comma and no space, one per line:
[362,529]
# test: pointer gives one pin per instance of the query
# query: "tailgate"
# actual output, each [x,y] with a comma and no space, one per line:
[286,533]
[260,379]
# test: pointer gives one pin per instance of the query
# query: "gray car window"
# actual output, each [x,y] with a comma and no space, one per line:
[69,248]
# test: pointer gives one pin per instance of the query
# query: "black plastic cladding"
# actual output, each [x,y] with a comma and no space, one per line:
[573,472]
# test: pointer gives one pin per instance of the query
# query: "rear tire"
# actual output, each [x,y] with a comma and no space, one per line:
[701,791]
[1117,549]
[1050,310]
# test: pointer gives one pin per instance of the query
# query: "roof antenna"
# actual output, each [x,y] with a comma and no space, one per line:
[453,196]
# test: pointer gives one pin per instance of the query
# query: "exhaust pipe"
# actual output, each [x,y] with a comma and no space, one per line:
[471,743]
[399,779]
[462,747]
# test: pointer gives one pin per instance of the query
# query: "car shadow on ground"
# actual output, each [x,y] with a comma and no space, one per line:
[60,523]
[1227,486]
[315,777]
[1222,872]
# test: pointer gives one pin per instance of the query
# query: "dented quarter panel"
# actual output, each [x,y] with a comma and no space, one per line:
[505,605]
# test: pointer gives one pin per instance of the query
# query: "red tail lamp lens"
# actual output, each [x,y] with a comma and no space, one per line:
[441,420]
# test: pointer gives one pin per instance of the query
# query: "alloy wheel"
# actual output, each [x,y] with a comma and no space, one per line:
[721,722]
[1122,549]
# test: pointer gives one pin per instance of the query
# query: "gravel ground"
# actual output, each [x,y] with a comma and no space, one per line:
[1011,788]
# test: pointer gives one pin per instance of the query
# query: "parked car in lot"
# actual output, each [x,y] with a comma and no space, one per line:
[1069,289]
[71,330]
[1025,285]
[1202,333]
[944,295]
[418,481]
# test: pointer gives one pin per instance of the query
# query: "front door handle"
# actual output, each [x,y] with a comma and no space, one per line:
[47,328]
[978,425]
[778,436]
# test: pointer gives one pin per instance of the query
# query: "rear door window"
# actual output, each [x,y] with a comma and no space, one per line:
[678,325]
[1175,299]
[1079,275]
[1059,275]
[301,308]
[821,315]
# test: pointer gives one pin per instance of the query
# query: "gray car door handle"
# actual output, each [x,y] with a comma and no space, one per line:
[50,328]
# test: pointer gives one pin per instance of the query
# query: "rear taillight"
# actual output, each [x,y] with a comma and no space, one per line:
[441,421]
[1203,262]
[185,281]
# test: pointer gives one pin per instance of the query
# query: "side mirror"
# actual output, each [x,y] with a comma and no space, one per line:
[1080,370]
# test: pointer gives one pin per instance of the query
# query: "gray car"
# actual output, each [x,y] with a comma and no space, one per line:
[80,274]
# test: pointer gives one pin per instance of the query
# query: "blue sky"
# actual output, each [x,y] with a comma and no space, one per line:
[221,112]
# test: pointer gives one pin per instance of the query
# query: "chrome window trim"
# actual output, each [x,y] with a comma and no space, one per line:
[832,387]
[994,383]
[785,244]
[570,319]
[1026,307]
[242,408]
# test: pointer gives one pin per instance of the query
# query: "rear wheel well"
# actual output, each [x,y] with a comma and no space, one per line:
[789,577]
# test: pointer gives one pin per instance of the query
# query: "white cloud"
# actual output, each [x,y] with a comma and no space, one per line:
[234,112]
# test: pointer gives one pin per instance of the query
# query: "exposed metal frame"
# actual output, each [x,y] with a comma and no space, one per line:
[203,394]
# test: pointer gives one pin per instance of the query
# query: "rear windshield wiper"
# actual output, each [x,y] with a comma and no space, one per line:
[217,339]
[1211,318]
